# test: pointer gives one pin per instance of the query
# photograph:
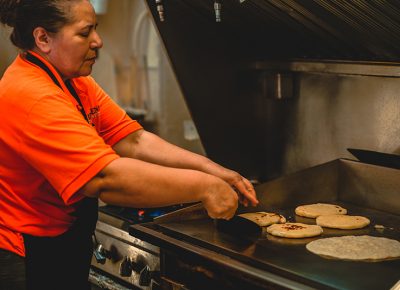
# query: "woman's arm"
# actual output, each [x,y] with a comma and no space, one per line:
[135,183]
[148,147]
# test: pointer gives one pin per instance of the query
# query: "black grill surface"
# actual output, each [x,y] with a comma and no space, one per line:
[290,258]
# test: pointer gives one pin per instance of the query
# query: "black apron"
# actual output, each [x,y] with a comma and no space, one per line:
[62,262]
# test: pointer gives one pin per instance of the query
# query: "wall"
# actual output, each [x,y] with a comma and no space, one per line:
[334,112]
[7,50]
[144,77]
[327,114]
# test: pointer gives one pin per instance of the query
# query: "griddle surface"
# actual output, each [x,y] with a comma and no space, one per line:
[290,258]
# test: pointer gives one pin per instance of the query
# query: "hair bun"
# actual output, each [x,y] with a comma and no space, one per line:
[8,10]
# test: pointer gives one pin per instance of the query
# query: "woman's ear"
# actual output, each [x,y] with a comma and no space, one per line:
[42,39]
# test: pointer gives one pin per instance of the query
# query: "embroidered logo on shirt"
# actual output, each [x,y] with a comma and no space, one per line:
[94,113]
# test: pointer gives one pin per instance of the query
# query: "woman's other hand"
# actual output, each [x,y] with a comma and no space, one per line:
[243,187]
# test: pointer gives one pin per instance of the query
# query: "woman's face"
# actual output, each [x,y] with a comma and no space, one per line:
[73,49]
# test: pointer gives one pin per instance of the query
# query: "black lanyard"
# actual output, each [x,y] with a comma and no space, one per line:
[33,59]
[76,244]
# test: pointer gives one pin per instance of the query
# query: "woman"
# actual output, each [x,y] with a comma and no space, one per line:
[64,144]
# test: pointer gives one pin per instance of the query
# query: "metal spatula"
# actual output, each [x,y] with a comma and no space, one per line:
[238,226]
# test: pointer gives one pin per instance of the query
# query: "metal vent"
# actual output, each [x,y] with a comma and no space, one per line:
[319,29]
[358,29]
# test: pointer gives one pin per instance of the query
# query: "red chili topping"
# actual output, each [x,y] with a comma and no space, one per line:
[293,227]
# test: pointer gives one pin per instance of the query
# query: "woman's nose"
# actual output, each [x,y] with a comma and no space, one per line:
[97,42]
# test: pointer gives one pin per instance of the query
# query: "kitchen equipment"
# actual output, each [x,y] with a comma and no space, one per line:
[277,90]
[238,226]
[196,254]
[121,261]
[279,86]
[377,158]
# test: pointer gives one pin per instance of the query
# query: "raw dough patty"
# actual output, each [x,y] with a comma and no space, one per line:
[317,209]
[346,222]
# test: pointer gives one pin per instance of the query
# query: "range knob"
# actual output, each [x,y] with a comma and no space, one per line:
[128,266]
[125,268]
[100,253]
[145,276]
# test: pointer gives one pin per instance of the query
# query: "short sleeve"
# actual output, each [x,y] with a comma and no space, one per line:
[57,141]
[110,120]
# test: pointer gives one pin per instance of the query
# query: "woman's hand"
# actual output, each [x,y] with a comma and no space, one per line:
[148,147]
[243,187]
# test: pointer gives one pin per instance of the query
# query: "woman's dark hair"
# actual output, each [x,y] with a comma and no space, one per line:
[25,15]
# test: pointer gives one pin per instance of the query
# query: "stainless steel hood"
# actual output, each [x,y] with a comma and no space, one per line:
[279,85]
[320,29]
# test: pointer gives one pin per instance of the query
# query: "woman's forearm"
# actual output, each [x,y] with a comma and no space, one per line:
[149,147]
[146,146]
[134,183]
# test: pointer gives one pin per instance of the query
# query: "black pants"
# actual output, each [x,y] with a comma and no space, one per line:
[54,263]
[12,271]
[59,263]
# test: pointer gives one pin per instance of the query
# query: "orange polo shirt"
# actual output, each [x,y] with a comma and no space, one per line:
[48,151]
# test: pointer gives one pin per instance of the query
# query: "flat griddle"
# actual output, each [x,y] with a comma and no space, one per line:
[363,189]
[290,258]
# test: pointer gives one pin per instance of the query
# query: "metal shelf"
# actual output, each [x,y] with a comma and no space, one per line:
[332,67]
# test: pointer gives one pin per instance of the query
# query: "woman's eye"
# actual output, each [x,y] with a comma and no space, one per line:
[84,34]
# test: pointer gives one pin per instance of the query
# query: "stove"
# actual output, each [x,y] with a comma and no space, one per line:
[137,215]
[123,261]
[197,254]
